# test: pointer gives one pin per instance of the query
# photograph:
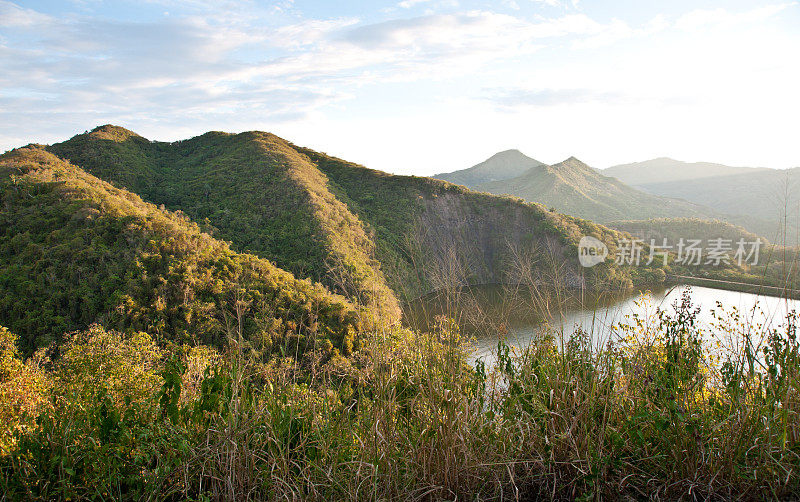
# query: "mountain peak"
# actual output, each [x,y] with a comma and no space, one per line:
[512,152]
[572,162]
[112,133]
[500,166]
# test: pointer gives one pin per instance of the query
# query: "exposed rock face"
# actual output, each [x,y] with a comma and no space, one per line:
[496,245]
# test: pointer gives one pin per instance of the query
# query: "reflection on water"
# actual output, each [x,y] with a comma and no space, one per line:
[518,315]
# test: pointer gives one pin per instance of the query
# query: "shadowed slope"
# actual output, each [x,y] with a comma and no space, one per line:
[436,234]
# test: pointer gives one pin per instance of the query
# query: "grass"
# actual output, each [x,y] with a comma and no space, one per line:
[657,415]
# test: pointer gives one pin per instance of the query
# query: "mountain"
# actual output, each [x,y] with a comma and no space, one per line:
[756,199]
[641,174]
[374,237]
[256,190]
[75,250]
[500,166]
[431,234]
[572,187]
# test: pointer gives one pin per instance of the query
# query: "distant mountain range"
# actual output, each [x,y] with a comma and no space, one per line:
[755,198]
[570,187]
[664,169]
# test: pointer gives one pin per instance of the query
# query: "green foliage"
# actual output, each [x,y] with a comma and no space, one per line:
[655,413]
[675,229]
[256,190]
[425,228]
[75,250]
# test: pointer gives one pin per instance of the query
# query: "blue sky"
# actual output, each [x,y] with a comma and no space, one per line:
[416,86]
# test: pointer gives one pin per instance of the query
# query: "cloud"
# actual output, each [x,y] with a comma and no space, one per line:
[407,4]
[514,98]
[720,18]
[246,64]
[14,16]
[559,3]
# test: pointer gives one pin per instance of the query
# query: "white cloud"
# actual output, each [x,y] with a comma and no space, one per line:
[407,4]
[463,81]
[14,16]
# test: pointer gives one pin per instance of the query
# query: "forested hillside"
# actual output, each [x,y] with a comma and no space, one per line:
[674,229]
[75,250]
[258,193]
[432,232]
[372,236]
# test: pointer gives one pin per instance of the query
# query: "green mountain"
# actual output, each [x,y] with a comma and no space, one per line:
[641,174]
[572,187]
[371,236]
[674,229]
[75,250]
[500,166]
[256,190]
[431,234]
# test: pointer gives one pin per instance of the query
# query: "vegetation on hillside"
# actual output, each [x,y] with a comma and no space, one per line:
[75,250]
[438,235]
[340,223]
[256,191]
[774,270]
[675,229]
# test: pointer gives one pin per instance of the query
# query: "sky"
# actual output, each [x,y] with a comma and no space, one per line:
[416,86]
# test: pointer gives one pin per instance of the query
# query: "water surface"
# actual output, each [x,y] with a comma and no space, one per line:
[489,313]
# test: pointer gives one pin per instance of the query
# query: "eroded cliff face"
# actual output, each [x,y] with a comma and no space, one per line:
[462,243]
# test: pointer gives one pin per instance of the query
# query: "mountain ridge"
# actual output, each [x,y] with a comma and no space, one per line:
[275,205]
[664,169]
[574,188]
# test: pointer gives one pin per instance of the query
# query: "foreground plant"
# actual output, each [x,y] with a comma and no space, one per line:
[656,415]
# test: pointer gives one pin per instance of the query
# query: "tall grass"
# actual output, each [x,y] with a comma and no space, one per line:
[657,415]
